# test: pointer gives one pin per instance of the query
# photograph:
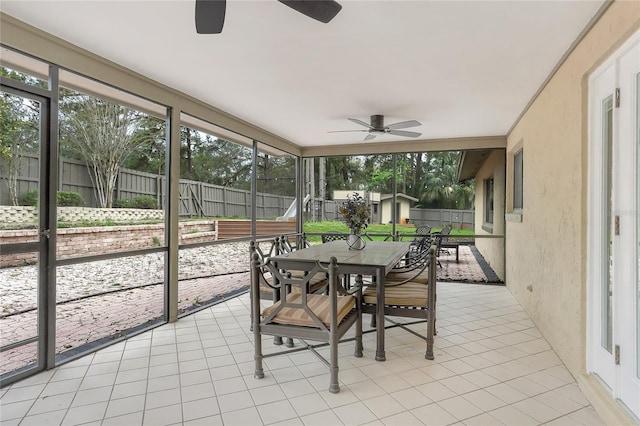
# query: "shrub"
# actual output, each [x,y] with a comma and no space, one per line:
[70,199]
[29,198]
[145,202]
[65,199]
[122,204]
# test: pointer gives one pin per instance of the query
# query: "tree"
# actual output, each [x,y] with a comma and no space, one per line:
[150,135]
[102,134]
[441,188]
[19,133]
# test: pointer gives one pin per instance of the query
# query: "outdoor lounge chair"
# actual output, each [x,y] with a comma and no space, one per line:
[300,315]
[333,236]
[411,297]
[440,238]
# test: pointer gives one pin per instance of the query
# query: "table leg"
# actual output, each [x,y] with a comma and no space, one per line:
[380,355]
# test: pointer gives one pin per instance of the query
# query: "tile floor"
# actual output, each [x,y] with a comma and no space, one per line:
[492,367]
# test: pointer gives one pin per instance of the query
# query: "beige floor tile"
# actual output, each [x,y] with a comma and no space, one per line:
[235,401]
[354,414]
[308,404]
[200,408]
[384,406]
[267,394]
[48,418]
[163,415]
[322,418]
[85,414]
[492,367]
[510,415]
[276,412]
[460,408]
[482,420]
[433,414]
[484,400]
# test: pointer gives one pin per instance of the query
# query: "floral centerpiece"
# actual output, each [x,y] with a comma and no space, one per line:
[355,213]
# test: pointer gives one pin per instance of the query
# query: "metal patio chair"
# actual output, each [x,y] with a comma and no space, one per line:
[301,315]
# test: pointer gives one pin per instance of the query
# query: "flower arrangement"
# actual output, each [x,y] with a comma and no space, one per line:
[355,212]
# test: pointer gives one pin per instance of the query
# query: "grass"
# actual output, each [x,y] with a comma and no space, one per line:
[383,229]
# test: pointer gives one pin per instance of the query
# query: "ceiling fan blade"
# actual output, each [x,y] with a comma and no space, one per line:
[404,124]
[404,133]
[369,137]
[320,10]
[360,122]
[210,16]
[343,131]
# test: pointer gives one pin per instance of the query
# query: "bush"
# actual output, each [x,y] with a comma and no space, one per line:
[65,199]
[70,199]
[122,204]
[145,202]
[29,198]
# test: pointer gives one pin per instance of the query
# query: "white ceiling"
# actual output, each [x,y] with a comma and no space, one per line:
[461,68]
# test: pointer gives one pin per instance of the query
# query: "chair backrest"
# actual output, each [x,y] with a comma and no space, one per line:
[443,236]
[417,259]
[423,236]
[256,249]
[291,242]
[423,229]
[265,247]
[333,236]
[298,299]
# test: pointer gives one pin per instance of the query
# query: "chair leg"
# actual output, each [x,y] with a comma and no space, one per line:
[373,320]
[289,342]
[259,372]
[334,387]
[431,325]
[358,352]
[257,339]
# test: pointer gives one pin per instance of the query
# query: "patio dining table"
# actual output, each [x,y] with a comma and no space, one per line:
[375,259]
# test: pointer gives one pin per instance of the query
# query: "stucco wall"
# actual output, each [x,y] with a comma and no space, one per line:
[492,249]
[546,265]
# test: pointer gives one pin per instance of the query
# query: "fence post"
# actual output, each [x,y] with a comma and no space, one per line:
[118,184]
[157,192]
[60,172]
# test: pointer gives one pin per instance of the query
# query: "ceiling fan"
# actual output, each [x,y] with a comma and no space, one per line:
[377,127]
[210,13]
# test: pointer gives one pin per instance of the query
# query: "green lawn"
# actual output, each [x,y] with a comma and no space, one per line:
[382,229]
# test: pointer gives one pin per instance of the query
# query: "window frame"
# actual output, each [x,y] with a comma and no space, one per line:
[518,181]
[488,214]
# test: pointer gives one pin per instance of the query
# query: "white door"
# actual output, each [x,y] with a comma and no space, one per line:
[613,239]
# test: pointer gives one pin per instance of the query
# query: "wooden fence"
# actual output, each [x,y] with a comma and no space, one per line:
[199,199]
[458,219]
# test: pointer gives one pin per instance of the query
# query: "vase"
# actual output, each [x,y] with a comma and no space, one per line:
[355,240]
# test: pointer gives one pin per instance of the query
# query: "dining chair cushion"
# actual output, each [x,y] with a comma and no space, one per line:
[407,294]
[319,305]
[264,288]
[316,283]
[404,276]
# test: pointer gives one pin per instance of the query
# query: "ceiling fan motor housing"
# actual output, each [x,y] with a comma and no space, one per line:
[377,122]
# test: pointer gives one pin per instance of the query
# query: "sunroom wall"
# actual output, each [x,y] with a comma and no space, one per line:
[546,251]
